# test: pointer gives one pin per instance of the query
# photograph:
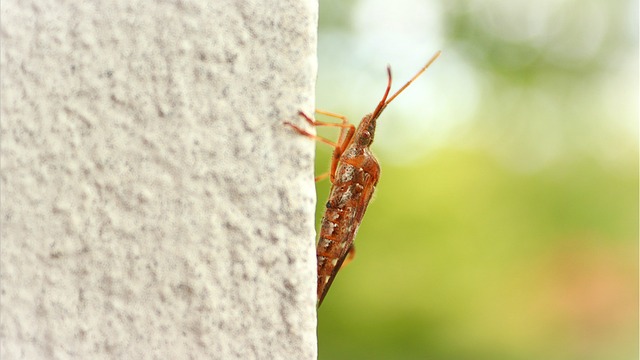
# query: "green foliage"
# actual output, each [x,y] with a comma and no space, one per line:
[516,237]
[459,257]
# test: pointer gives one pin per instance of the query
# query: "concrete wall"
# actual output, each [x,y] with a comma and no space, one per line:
[153,204]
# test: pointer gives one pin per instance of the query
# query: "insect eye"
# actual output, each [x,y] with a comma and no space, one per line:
[365,139]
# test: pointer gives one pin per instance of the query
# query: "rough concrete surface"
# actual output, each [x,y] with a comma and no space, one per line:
[153,203]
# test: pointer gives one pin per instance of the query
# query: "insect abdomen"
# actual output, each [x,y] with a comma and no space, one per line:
[341,220]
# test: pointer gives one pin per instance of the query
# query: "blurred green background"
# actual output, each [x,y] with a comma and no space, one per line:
[505,223]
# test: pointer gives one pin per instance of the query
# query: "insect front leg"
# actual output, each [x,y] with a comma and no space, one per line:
[343,140]
[346,134]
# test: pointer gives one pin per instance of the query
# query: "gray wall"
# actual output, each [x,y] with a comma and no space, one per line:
[153,204]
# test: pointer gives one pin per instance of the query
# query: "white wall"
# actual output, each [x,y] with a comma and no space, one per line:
[153,204]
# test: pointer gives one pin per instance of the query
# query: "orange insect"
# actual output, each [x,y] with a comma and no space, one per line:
[354,174]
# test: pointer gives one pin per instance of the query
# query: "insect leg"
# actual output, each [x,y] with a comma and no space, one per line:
[322,176]
[345,123]
[313,122]
[350,255]
[339,147]
[318,138]
[301,131]
[343,139]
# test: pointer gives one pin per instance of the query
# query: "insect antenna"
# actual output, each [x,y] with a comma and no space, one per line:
[384,102]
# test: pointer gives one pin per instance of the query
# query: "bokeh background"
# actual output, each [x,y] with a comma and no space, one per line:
[505,223]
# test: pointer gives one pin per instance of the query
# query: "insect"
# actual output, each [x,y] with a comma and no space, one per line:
[354,174]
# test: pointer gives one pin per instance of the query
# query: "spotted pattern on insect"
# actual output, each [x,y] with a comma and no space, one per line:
[353,186]
[354,175]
